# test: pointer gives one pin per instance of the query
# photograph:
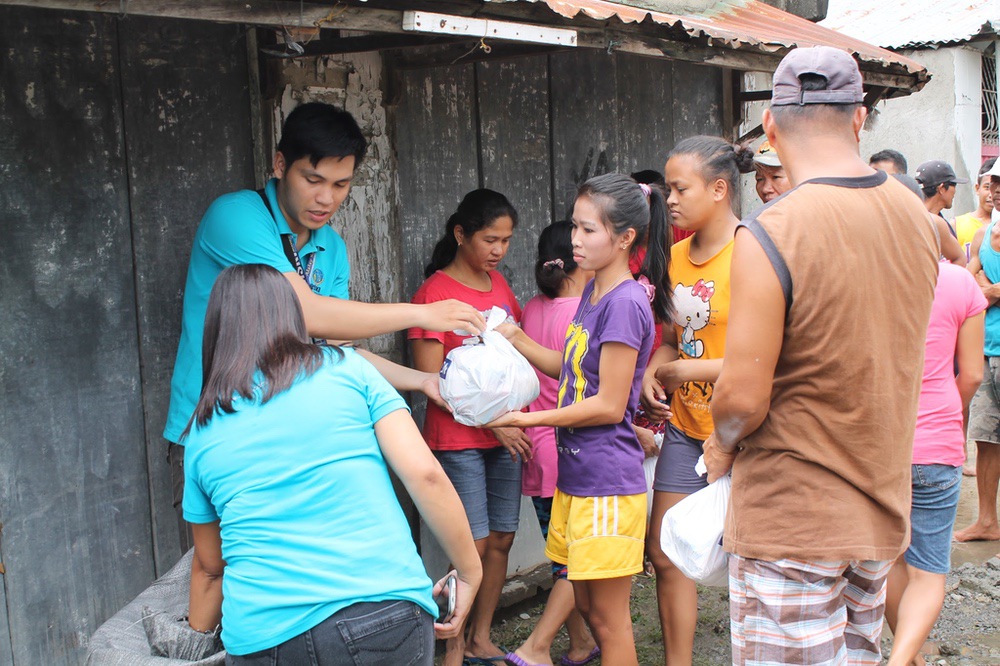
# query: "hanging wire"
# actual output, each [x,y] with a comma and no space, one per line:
[487,49]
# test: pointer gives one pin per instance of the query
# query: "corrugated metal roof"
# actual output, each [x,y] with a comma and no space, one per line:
[896,24]
[747,25]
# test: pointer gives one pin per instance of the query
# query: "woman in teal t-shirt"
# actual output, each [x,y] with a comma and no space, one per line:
[301,547]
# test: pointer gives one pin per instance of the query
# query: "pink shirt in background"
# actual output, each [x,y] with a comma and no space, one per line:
[939,438]
[546,321]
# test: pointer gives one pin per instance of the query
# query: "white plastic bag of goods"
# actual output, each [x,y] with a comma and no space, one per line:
[486,377]
[691,533]
[649,467]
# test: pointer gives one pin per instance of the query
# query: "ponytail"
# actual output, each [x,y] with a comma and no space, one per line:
[656,264]
[625,205]
[478,210]
[555,258]
[445,249]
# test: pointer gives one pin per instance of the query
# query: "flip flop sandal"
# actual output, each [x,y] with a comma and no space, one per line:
[483,661]
[594,654]
[512,659]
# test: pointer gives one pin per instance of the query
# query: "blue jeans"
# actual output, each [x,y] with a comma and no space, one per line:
[932,516]
[384,633]
[489,484]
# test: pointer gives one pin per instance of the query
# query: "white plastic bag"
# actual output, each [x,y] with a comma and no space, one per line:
[649,467]
[486,377]
[691,533]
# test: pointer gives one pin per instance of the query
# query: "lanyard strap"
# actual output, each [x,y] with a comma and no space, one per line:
[293,256]
[288,245]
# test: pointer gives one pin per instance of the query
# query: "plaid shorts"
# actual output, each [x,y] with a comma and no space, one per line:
[797,612]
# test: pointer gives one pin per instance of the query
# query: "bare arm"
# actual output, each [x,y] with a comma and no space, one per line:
[950,247]
[672,375]
[548,361]
[438,504]
[969,354]
[205,610]
[338,319]
[403,378]
[607,406]
[990,291]
[753,341]
[652,391]
[974,265]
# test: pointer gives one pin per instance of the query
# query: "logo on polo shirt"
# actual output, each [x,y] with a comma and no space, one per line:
[317,277]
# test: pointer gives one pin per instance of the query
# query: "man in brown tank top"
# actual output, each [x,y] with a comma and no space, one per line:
[816,404]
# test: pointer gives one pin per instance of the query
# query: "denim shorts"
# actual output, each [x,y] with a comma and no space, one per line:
[984,412]
[932,516]
[383,633]
[489,485]
[675,468]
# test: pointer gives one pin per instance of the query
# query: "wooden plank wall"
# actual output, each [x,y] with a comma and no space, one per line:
[541,125]
[436,139]
[115,134]
[76,540]
[187,123]
[514,154]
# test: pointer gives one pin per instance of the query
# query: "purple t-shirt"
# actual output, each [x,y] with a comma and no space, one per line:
[597,461]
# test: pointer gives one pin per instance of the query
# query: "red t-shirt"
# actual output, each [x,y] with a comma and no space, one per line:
[440,429]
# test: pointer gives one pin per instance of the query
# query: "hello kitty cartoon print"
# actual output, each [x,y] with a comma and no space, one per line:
[701,303]
[693,311]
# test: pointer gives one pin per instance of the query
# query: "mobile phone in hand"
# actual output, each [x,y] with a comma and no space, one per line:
[446,600]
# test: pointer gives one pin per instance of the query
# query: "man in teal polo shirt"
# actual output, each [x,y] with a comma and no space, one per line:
[286,227]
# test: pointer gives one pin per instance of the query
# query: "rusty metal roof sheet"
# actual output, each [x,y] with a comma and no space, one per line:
[914,23]
[747,25]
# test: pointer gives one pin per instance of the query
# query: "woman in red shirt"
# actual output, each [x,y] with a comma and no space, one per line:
[484,465]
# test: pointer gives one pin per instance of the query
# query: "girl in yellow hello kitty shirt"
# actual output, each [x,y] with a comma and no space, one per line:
[702,174]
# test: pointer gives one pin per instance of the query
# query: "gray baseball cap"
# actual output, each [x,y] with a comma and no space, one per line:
[937,172]
[841,72]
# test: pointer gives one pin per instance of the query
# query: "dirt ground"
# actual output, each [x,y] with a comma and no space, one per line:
[967,633]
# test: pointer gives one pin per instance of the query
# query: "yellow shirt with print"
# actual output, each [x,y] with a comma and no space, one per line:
[966,227]
[701,302]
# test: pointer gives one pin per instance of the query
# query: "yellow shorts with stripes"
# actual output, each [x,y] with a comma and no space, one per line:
[597,537]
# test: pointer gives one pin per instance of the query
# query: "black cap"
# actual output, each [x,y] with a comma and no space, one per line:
[937,172]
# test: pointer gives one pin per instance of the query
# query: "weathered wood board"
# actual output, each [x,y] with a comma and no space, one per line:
[646,95]
[188,138]
[697,100]
[515,155]
[585,120]
[76,535]
[437,150]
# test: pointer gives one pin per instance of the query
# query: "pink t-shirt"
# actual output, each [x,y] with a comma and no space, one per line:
[939,438]
[546,321]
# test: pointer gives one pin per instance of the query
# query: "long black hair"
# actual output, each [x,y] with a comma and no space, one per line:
[555,257]
[624,205]
[478,210]
[717,158]
[253,324]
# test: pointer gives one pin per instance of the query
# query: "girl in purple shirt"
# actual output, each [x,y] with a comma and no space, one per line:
[598,521]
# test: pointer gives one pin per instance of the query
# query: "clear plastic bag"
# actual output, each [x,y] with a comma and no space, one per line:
[486,377]
[691,533]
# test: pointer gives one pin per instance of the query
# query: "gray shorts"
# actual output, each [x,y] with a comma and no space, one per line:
[675,467]
[489,484]
[984,413]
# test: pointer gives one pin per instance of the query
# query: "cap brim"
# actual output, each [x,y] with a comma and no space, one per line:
[767,159]
[961,181]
